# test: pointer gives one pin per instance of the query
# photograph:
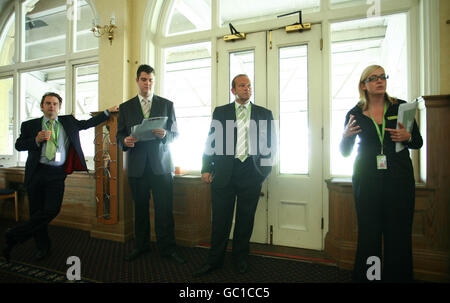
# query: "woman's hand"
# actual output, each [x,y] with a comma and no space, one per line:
[399,135]
[351,129]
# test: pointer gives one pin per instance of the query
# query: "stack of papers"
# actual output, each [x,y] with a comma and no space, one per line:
[143,131]
[406,115]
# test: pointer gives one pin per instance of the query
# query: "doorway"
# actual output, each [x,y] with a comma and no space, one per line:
[285,70]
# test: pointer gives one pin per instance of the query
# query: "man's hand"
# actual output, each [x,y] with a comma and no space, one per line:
[129,141]
[113,109]
[159,132]
[41,136]
[207,178]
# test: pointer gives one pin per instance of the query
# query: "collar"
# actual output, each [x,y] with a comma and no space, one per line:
[47,119]
[246,104]
[150,98]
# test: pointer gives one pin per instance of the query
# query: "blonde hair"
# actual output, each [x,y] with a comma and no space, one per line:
[363,96]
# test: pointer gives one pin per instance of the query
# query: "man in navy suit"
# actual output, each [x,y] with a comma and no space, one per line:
[54,151]
[237,159]
[149,166]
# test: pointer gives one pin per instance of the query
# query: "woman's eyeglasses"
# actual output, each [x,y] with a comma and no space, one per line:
[375,78]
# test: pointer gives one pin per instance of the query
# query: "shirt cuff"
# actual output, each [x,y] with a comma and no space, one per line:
[106,112]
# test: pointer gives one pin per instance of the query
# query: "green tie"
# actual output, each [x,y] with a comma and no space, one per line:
[242,147]
[50,150]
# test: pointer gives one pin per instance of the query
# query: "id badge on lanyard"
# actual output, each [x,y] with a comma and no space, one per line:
[381,158]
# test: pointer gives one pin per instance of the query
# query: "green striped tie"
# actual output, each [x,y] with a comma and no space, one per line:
[242,146]
[50,149]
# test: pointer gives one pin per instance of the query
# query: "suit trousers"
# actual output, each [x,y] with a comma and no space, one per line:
[243,189]
[45,196]
[161,187]
[385,210]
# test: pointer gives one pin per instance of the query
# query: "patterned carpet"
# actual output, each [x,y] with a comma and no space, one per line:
[103,261]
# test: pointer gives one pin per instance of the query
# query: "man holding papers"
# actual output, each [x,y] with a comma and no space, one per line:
[149,164]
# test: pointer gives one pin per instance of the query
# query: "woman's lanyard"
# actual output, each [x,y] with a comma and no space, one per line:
[380,134]
[381,158]
[55,138]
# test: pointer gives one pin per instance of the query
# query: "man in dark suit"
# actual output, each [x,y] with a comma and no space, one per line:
[149,166]
[54,151]
[238,158]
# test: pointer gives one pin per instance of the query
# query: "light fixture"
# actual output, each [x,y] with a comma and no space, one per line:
[99,30]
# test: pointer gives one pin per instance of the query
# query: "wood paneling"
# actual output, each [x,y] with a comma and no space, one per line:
[191,211]
[78,208]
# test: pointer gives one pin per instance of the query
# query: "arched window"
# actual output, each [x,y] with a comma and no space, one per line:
[187,16]
[191,30]
[191,50]
[7,42]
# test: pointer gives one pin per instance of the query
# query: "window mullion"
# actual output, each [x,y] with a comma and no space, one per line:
[20,42]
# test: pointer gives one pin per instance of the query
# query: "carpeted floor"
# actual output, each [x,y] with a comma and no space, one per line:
[103,261]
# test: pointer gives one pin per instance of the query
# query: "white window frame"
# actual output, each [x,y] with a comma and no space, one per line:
[423,77]
[69,60]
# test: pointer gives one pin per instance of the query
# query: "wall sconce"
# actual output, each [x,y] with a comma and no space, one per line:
[99,30]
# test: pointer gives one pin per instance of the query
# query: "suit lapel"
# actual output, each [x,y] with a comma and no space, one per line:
[253,112]
[253,146]
[230,115]
[230,112]
[39,124]
[137,108]
[38,127]
[156,109]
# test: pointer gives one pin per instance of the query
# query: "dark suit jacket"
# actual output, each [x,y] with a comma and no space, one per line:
[156,151]
[75,158]
[220,163]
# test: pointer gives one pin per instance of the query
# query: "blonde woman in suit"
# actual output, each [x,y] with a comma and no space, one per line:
[383,179]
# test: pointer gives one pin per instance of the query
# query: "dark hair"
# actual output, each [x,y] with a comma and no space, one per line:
[233,83]
[144,68]
[51,94]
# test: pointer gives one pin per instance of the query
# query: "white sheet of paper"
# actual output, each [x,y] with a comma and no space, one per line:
[58,157]
[143,131]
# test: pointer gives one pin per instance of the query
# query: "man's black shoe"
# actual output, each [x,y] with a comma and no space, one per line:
[205,269]
[136,253]
[6,251]
[177,258]
[41,254]
[242,266]
[8,246]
